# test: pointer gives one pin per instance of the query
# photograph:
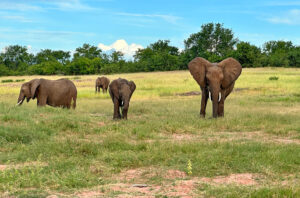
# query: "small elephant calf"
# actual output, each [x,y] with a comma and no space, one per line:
[102,82]
[120,91]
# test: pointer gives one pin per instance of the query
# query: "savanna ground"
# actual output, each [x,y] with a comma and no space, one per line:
[254,151]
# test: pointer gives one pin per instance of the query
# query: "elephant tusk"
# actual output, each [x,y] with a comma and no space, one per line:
[209,95]
[19,103]
[219,97]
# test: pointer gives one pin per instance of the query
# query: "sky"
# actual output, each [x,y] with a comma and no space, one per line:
[127,25]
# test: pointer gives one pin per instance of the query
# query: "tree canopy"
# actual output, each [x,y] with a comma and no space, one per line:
[213,42]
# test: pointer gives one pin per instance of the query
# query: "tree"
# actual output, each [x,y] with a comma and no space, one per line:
[87,51]
[294,57]
[16,57]
[248,55]
[116,56]
[277,52]
[159,56]
[52,55]
[213,42]
[46,68]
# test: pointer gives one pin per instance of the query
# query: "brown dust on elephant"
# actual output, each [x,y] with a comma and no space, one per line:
[56,93]
[120,91]
[216,81]
[102,82]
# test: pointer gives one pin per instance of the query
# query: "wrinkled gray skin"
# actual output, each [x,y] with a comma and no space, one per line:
[102,82]
[56,93]
[216,81]
[120,91]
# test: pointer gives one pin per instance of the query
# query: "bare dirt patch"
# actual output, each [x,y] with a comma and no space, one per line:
[191,93]
[240,179]
[87,194]
[242,137]
[241,89]
[173,174]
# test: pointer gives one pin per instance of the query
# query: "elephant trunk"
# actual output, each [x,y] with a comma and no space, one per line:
[216,97]
[20,99]
[125,108]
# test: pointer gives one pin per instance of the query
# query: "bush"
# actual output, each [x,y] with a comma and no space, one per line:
[7,81]
[273,78]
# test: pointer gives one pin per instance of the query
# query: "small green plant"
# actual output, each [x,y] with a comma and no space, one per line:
[7,81]
[20,80]
[189,168]
[273,78]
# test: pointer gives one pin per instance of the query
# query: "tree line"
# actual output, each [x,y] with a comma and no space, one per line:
[213,42]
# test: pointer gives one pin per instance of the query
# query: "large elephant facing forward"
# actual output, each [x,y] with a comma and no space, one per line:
[216,81]
[56,93]
[120,91]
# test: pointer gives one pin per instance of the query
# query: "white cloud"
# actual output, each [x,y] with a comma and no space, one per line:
[283,3]
[168,18]
[17,18]
[122,46]
[70,5]
[292,17]
[18,6]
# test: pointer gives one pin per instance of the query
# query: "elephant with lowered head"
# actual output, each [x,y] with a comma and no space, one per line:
[56,93]
[120,91]
[216,81]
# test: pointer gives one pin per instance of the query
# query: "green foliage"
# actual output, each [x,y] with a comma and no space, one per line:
[273,78]
[213,42]
[87,51]
[20,80]
[159,56]
[248,55]
[46,68]
[7,81]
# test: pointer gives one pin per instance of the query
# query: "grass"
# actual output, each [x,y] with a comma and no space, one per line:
[46,151]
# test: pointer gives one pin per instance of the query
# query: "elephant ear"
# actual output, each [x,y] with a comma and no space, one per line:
[132,87]
[198,68]
[34,85]
[231,71]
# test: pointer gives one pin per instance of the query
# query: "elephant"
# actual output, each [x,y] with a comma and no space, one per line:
[56,93]
[216,81]
[120,91]
[102,82]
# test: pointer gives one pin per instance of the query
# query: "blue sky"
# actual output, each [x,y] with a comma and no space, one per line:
[131,24]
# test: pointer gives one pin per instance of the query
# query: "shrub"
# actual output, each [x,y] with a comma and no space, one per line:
[7,81]
[273,78]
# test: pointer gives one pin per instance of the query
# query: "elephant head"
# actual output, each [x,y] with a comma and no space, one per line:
[216,79]
[28,91]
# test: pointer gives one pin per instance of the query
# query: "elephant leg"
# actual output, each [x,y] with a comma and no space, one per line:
[203,102]
[221,108]
[41,101]
[116,109]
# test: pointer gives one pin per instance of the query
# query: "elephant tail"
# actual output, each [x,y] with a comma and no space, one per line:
[74,102]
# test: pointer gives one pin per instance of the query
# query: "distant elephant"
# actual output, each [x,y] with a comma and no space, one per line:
[102,82]
[216,81]
[120,91]
[56,93]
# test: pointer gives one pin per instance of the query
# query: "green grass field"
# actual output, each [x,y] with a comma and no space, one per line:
[254,151]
